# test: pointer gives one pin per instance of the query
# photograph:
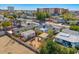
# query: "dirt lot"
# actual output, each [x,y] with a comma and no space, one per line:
[36,43]
[9,46]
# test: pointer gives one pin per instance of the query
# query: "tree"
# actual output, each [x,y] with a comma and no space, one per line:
[6,24]
[68,16]
[42,15]
[50,47]
[48,15]
[14,15]
[50,32]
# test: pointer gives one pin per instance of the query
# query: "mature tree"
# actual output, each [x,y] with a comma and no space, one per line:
[48,15]
[50,47]
[42,15]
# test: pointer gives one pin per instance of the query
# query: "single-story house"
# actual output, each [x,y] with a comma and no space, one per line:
[31,17]
[43,29]
[56,27]
[17,31]
[50,19]
[28,34]
[17,23]
[68,39]
[6,19]
[56,20]
[61,20]
[20,19]
[57,24]
[29,24]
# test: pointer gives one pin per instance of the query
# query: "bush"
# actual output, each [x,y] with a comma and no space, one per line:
[50,47]
[6,24]
[74,27]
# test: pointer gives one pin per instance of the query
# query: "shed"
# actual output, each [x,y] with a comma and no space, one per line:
[43,35]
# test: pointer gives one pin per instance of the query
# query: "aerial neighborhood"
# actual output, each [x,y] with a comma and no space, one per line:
[39,31]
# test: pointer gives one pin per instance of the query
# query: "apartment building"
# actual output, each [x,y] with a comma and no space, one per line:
[53,10]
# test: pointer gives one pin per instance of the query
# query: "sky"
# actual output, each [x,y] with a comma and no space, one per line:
[34,6]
